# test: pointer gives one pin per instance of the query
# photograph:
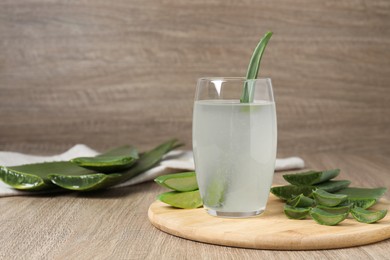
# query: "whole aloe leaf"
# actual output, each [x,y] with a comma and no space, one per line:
[115,160]
[253,69]
[90,182]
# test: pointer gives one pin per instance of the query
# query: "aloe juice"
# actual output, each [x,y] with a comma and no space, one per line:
[234,150]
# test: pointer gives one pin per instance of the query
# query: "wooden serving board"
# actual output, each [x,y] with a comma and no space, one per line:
[271,230]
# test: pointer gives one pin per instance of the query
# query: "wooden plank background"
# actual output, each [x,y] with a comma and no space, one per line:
[106,73]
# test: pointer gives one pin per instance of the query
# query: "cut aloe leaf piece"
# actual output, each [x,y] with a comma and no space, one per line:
[340,209]
[311,177]
[368,216]
[35,176]
[117,159]
[290,191]
[363,193]
[328,199]
[325,218]
[363,197]
[86,182]
[333,186]
[183,200]
[185,181]
[363,203]
[296,213]
[301,201]
[89,182]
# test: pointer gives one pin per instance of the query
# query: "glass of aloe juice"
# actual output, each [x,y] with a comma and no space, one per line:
[234,145]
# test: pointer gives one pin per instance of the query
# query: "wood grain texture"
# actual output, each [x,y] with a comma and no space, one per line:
[272,230]
[114,224]
[124,71]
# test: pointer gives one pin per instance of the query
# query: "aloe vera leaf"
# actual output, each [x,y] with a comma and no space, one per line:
[215,193]
[301,201]
[89,182]
[253,68]
[362,203]
[117,159]
[311,177]
[185,181]
[295,212]
[183,200]
[34,177]
[363,197]
[355,193]
[367,216]
[328,199]
[340,209]
[325,218]
[333,186]
[290,191]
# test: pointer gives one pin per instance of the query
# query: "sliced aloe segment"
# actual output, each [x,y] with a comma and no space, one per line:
[362,203]
[325,218]
[333,186]
[363,193]
[85,182]
[340,209]
[363,197]
[290,191]
[35,176]
[185,181]
[368,216]
[88,182]
[183,200]
[328,199]
[301,201]
[311,177]
[117,159]
[296,213]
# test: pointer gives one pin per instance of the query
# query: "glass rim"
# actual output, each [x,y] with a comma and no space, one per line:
[233,79]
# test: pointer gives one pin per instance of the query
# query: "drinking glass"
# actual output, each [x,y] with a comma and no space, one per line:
[234,145]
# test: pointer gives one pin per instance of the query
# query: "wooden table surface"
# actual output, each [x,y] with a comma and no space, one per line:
[113,224]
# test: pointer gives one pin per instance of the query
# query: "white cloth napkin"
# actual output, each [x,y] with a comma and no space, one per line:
[172,162]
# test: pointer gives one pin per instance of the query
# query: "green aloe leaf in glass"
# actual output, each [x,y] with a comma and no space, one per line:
[89,182]
[253,69]
[115,160]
